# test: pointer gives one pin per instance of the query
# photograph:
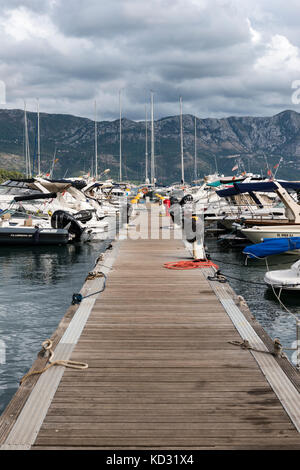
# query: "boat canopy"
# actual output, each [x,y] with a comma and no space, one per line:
[263,187]
[78,184]
[272,246]
[32,197]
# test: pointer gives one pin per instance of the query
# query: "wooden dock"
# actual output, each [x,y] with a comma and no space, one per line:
[162,371]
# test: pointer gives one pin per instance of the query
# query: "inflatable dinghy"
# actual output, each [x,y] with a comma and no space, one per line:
[288,279]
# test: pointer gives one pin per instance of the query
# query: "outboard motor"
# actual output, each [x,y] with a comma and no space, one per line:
[83,216]
[62,219]
[186,199]
[174,208]
[190,228]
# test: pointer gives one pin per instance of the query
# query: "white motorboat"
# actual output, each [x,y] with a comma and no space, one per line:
[93,214]
[287,279]
[257,234]
[17,228]
[257,229]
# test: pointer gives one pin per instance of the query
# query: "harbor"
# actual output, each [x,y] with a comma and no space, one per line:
[161,360]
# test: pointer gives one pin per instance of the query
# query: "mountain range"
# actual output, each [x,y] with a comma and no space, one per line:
[255,144]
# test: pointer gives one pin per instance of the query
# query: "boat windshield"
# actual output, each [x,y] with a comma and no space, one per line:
[15,188]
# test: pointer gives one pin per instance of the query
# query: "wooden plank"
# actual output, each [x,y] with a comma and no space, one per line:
[265,442]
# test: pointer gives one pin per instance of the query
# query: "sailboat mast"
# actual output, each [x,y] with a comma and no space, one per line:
[152,142]
[120,105]
[53,163]
[96,143]
[25,141]
[27,151]
[38,139]
[181,142]
[195,161]
[146,140]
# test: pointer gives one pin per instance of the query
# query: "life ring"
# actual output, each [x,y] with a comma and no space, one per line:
[145,190]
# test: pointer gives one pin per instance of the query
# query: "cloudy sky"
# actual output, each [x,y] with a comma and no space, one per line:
[224,57]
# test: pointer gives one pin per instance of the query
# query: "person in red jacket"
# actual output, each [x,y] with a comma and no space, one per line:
[167,204]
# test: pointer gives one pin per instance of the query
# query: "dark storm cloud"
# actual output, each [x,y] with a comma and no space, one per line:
[222,56]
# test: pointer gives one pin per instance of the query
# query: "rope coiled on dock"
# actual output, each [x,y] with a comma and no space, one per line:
[196,263]
[47,348]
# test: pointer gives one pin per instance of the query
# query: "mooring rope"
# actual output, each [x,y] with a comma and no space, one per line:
[77,298]
[277,352]
[47,347]
[223,278]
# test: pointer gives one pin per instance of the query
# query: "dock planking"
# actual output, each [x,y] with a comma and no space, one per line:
[162,373]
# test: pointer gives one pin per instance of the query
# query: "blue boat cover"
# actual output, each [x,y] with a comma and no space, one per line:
[264,187]
[272,246]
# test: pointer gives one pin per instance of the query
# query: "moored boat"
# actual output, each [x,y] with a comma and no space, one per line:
[286,279]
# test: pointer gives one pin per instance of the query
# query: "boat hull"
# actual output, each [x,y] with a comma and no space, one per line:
[287,280]
[33,236]
[258,234]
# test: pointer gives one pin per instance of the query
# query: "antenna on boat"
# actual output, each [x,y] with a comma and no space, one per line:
[181,142]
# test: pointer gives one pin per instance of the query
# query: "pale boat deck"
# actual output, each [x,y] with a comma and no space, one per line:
[162,374]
